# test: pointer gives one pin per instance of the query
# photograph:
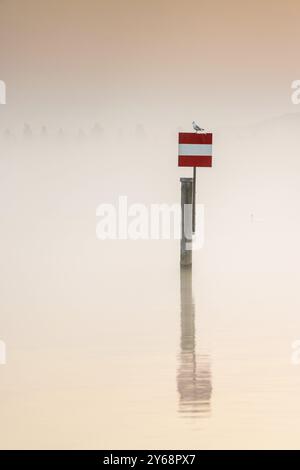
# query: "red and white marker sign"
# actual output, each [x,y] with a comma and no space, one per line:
[195,149]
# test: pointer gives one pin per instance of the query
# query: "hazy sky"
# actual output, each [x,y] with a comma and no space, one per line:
[73,61]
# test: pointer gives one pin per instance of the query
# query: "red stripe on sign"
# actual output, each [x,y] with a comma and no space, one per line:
[193,160]
[193,138]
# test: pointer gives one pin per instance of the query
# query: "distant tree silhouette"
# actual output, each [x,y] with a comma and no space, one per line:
[44,131]
[140,131]
[7,134]
[60,134]
[27,132]
[81,135]
[97,130]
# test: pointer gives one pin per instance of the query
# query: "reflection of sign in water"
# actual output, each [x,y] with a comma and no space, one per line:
[193,375]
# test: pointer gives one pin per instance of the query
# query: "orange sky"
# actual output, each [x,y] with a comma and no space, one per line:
[79,60]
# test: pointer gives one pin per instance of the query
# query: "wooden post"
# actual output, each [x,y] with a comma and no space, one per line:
[186,221]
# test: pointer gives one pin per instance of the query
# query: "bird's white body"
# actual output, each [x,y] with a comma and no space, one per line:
[196,127]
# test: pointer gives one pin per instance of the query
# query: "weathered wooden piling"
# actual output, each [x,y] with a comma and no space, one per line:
[186,221]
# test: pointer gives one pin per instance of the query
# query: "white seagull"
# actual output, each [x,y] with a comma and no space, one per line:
[196,127]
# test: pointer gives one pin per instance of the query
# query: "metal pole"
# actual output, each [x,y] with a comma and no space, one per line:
[186,221]
[194,199]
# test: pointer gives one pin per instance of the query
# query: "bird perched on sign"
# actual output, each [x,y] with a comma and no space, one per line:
[196,127]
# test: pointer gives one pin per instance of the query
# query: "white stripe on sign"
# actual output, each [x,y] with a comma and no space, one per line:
[195,149]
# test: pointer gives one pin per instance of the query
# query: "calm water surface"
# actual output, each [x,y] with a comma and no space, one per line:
[111,345]
[152,357]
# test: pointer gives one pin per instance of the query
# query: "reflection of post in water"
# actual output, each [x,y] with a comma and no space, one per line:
[193,375]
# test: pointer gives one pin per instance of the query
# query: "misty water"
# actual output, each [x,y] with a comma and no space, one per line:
[109,343]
